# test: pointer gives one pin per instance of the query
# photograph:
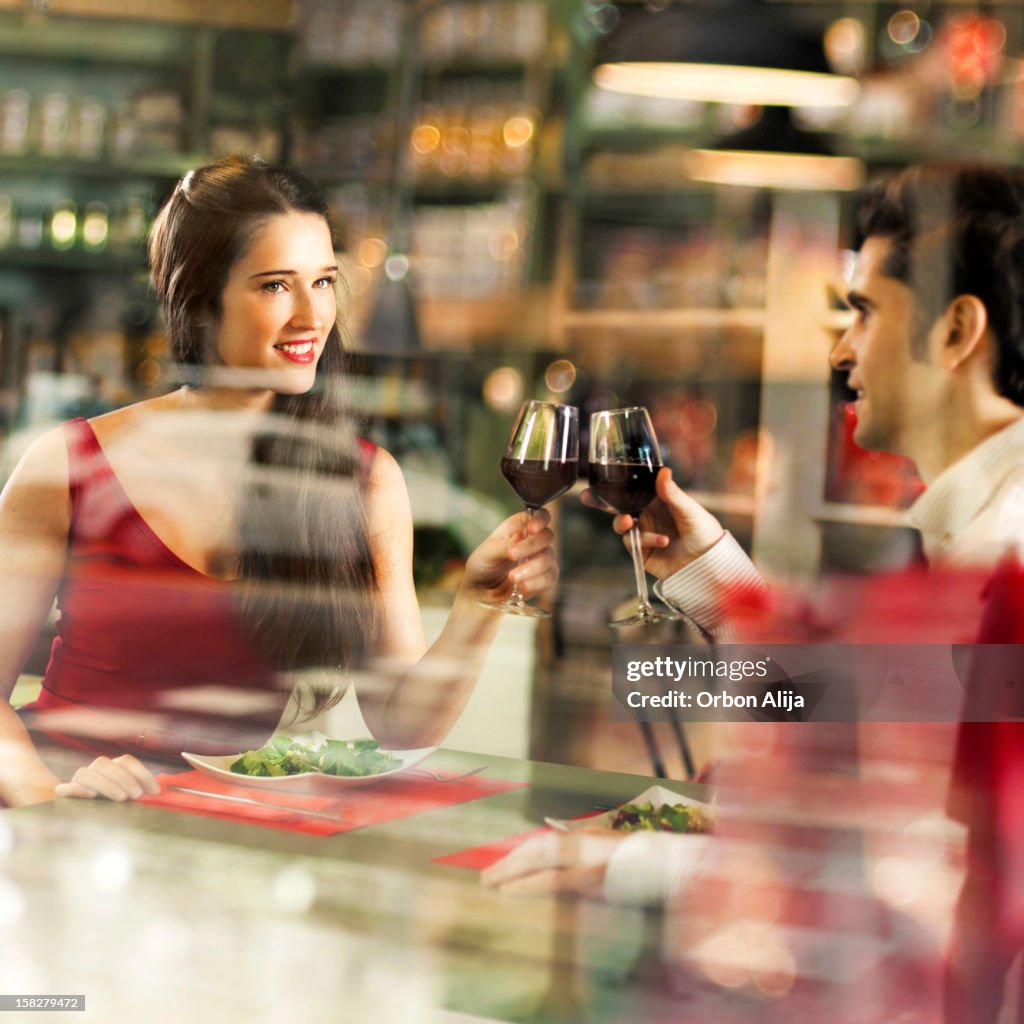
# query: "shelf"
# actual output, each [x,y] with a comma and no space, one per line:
[171,165]
[455,66]
[454,191]
[433,66]
[268,15]
[637,138]
[464,322]
[488,190]
[112,261]
[94,42]
[322,69]
[663,319]
[862,515]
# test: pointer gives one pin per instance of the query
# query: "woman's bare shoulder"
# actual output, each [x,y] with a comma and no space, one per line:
[110,425]
[385,475]
[37,492]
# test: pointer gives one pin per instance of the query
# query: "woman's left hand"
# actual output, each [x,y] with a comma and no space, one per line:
[520,550]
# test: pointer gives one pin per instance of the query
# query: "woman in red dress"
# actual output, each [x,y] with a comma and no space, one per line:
[210,547]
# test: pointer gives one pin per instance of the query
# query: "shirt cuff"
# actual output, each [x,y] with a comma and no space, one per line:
[705,589]
[649,868]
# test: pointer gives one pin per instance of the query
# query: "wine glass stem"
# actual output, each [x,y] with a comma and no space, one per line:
[638,568]
[516,597]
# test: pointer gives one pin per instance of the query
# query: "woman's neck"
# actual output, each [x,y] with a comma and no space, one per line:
[226,399]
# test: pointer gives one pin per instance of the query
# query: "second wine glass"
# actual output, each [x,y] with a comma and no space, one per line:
[624,464]
[539,463]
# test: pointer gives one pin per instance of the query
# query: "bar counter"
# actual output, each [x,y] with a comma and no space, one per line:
[162,916]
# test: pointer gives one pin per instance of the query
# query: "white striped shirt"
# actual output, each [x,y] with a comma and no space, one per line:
[973,512]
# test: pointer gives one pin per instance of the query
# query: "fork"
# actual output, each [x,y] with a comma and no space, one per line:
[426,772]
[259,803]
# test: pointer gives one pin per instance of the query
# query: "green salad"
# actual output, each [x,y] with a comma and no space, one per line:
[285,755]
[663,818]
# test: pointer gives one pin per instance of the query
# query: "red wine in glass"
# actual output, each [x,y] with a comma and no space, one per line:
[628,487]
[539,463]
[623,467]
[538,481]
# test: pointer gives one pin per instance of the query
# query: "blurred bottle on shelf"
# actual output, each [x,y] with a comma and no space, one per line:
[469,251]
[480,31]
[30,226]
[7,232]
[88,129]
[130,223]
[63,224]
[54,128]
[356,33]
[15,122]
[95,227]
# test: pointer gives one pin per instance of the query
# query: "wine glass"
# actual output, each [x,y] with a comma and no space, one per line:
[624,464]
[540,462]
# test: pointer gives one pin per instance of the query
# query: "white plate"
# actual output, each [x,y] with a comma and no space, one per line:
[656,794]
[219,767]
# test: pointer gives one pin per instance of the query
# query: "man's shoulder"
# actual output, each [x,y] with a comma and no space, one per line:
[998,528]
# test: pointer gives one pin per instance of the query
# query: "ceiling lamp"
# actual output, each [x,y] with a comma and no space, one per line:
[720,51]
[774,153]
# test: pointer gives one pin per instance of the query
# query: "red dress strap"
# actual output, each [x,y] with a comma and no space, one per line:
[367,452]
[86,461]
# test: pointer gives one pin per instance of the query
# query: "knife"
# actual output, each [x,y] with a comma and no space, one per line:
[336,818]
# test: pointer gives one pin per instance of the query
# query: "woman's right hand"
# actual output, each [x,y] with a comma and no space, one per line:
[674,529]
[119,778]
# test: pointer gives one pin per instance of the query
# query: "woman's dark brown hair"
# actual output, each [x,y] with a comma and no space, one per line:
[306,599]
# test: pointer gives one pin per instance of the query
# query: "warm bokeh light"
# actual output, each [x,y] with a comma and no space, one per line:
[455,139]
[903,27]
[425,138]
[371,252]
[845,45]
[503,389]
[560,376]
[517,131]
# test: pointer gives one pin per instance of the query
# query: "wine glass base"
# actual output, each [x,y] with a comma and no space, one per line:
[646,618]
[526,611]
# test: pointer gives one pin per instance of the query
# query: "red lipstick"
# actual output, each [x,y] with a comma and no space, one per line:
[302,352]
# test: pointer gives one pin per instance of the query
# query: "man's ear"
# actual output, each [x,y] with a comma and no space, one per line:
[966,327]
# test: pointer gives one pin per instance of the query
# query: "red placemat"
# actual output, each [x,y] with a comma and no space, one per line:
[355,808]
[476,858]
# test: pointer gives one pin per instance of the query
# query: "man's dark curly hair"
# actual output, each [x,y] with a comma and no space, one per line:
[958,229]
